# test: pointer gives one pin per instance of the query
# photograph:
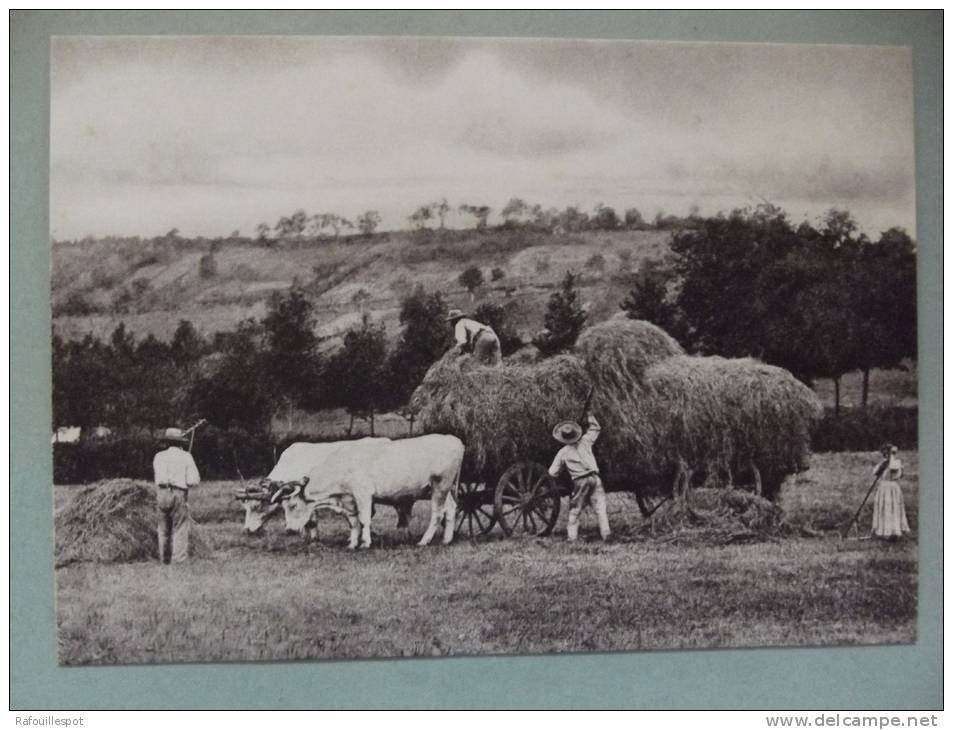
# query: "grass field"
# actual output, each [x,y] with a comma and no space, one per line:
[274,598]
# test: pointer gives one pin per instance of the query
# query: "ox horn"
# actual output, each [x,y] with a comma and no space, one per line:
[280,493]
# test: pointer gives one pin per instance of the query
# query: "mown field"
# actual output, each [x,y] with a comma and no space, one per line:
[274,598]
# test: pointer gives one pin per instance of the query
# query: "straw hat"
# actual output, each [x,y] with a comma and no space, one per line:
[455,314]
[567,432]
[174,436]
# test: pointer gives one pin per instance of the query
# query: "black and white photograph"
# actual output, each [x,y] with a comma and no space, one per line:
[387,347]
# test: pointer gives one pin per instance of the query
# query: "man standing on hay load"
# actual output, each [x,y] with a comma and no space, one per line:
[475,338]
[175,473]
[577,458]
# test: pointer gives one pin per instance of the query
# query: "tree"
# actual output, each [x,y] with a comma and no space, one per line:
[649,300]
[290,355]
[425,336]
[235,389]
[516,211]
[358,371]
[155,384]
[262,231]
[480,213]
[292,226]
[299,222]
[472,279]
[633,219]
[208,267]
[368,221]
[421,216]
[573,220]
[284,228]
[564,319]
[497,273]
[333,221]
[81,382]
[604,218]
[724,269]
[186,349]
[886,293]
[497,317]
[441,209]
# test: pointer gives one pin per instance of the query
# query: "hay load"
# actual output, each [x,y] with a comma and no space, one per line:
[502,414]
[728,421]
[667,417]
[618,352]
[112,521]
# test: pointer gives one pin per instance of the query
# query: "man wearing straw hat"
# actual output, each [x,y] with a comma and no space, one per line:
[476,338]
[175,473]
[577,458]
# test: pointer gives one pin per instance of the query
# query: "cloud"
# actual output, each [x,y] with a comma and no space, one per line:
[254,127]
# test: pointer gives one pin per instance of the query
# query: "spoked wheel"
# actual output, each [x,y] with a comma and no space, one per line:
[474,510]
[527,500]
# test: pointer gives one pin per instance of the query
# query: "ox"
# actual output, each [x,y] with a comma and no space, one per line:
[293,467]
[395,470]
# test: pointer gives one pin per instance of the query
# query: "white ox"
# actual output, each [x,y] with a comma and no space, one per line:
[293,467]
[394,470]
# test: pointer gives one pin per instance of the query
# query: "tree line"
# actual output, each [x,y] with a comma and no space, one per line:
[819,301]
[274,367]
[517,213]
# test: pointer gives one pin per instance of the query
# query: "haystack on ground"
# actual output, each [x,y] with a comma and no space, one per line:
[112,521]
[717,517]
[666,416]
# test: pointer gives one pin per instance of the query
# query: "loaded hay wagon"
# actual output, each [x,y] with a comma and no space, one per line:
[669,421]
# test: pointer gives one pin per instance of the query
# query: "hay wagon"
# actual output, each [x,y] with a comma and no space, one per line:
[669,419]
[525,499]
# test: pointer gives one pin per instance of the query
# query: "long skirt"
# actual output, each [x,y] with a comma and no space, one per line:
[890,517]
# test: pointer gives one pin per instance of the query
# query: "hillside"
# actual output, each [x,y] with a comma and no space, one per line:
[151,284]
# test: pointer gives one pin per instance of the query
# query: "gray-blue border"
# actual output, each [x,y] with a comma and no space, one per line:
[900,677]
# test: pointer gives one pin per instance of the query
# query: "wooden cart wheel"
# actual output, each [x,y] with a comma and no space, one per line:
[527,500]
[475,514]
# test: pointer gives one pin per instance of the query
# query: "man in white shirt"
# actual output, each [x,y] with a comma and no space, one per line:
[175,473]
[577,458]
[476,338]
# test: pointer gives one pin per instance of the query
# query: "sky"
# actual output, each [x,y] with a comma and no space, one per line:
[213,134]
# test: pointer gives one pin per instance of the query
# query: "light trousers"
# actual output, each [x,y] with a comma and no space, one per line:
[588,490]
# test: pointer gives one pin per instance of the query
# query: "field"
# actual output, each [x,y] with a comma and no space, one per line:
[274,598]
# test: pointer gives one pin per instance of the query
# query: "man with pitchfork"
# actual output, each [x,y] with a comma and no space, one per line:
[175,474]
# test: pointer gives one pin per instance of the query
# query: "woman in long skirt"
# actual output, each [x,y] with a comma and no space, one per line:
[890,517]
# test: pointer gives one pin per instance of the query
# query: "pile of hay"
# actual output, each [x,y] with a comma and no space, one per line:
[727,421]
[618,352]
[717,517]
[112,521]
[667,417]
[502,414]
